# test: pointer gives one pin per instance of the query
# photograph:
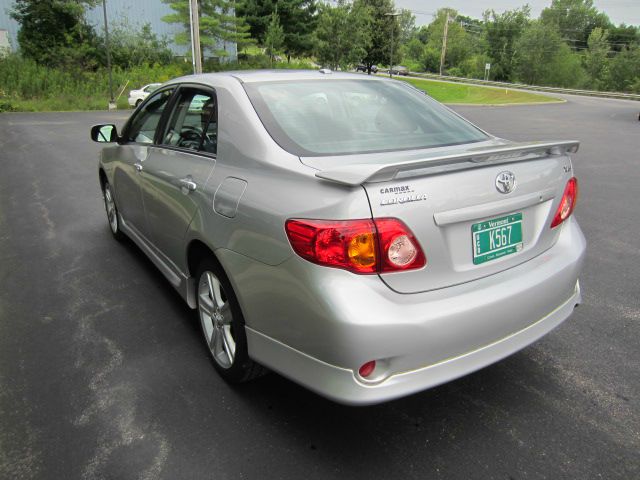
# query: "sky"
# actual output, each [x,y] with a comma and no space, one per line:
[619,11]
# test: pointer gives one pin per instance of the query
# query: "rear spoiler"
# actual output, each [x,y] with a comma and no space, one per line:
[359,173]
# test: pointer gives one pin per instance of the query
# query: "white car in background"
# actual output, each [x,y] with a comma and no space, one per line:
[137,96]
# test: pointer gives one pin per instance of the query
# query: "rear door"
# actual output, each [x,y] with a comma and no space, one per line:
[178,168]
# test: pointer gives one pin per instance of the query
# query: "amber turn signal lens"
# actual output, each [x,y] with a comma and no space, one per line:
[362,250]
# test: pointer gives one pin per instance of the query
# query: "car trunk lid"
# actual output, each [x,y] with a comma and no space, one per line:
[455,204]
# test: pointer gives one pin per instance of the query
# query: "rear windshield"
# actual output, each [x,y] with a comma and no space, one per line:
[331,117]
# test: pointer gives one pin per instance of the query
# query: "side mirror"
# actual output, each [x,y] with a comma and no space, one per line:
[104,133]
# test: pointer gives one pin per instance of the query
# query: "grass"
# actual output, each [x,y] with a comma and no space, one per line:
[66,103]
[447,92]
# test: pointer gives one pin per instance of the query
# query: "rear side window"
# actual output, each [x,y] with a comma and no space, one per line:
[143,125]
[193,124]
[331,117]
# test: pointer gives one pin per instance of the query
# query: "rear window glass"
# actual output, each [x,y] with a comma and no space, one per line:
[330,117]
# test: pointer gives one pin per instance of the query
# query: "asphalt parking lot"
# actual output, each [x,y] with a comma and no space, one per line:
[103,373]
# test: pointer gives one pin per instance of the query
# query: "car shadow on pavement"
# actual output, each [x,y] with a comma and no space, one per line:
[469,410]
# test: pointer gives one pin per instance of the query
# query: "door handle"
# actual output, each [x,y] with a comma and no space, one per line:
[188,184]
[138,167]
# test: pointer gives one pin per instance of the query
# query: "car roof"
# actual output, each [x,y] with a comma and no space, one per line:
[251,76]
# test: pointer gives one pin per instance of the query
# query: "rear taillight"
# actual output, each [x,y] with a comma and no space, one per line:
[567,203]
[360,246]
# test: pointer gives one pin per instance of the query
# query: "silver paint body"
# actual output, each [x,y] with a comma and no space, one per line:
[318,325]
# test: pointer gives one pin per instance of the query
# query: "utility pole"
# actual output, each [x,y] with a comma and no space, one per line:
[444,43]
[112,105]
[195,36]
[392,15]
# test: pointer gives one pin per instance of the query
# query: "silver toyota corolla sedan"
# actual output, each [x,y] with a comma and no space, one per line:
[348,232]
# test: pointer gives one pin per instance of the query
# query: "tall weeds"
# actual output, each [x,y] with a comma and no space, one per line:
[28,86]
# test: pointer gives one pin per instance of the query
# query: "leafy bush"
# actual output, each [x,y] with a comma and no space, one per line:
[6,106]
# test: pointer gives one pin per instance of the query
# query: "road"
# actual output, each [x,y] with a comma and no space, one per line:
[103,373]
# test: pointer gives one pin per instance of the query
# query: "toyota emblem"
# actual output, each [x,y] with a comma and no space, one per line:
[506,182]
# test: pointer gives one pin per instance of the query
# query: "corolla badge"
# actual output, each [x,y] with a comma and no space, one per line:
[506,182]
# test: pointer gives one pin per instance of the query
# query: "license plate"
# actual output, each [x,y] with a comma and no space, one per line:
[496,238]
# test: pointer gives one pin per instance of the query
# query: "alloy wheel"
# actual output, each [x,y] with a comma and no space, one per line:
[112,213]
[216,319]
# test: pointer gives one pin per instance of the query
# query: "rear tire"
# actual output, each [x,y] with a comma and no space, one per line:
[222,325]
[112,212]
[138,102]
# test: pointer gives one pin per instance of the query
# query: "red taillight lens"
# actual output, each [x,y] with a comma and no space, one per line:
[348,244]
[360,246]
[567,203]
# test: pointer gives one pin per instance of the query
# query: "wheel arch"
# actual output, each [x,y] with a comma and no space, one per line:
[197,250]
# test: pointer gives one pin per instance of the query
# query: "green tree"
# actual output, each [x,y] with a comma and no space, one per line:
[473,66]
[415,49]
[431,59]
[458,44]
[131,46]
[299,21]
[542,58]
[596,59]
[297,17]
[343,34]
[574,19]
[218,24]
[473,24]
[422,34]
[501,33]
[407,26]
[55,32]
[232,28]
[625,70]
[623,36]
[383,28]
[274,36]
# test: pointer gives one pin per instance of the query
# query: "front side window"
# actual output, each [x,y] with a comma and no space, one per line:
[332,117]
[143,125]
[193,122]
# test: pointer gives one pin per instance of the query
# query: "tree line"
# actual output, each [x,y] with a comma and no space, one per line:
[571,44]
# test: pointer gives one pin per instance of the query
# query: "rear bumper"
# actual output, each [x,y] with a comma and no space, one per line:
[343,386]
[319,330]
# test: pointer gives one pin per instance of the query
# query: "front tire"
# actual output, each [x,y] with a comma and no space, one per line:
[222,325]
[112,212]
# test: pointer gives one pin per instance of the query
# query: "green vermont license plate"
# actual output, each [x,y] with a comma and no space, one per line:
[496,238]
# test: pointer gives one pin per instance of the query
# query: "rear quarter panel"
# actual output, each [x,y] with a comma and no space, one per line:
[278,187]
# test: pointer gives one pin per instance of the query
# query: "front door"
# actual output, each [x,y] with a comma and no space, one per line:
[132,155]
